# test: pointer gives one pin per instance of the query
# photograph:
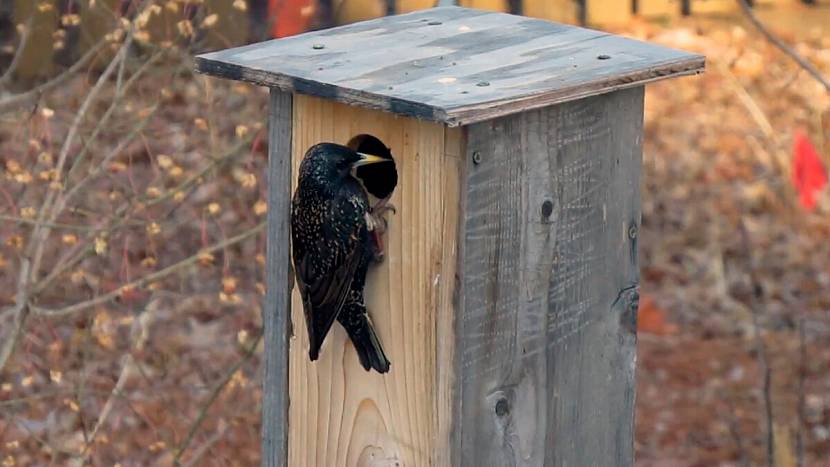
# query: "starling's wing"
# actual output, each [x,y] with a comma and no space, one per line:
[323,297]
[325,285]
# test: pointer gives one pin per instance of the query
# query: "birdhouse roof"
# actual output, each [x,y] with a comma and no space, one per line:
[452,65]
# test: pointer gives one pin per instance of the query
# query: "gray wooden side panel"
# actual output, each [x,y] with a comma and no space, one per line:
[453,65]
[547,335]
[276,314]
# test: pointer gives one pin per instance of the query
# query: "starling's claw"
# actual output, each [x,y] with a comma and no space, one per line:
[381,207]
[378,211]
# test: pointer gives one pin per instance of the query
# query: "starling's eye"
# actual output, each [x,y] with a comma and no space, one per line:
[343,164]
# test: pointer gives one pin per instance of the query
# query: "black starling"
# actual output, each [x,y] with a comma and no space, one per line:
[330,231]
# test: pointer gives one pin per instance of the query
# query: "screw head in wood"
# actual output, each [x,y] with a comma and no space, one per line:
[502,407]
[476,157]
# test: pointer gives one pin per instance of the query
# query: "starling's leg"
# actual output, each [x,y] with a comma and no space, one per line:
[375,231]
[377,225]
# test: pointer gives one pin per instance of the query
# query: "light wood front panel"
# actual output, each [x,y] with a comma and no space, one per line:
[341,415]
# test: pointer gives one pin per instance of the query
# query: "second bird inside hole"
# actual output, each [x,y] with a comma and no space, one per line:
[379,180]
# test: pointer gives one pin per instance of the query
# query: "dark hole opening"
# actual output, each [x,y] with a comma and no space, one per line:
[381,179]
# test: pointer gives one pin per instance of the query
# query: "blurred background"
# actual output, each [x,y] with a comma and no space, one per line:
[133,199]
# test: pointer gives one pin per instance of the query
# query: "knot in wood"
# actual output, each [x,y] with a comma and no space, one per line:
[502,407]
[634,303]
[547,209]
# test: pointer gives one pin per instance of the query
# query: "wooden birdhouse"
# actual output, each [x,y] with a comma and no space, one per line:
[507,299]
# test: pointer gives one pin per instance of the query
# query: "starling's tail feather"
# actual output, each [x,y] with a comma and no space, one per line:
[370,352]
[366,342]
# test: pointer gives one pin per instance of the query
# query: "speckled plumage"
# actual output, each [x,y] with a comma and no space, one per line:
[332,251]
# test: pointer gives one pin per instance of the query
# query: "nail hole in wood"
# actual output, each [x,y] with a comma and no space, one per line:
[603,57]
[632,231]
[433,23]
[318,46]
[482,84]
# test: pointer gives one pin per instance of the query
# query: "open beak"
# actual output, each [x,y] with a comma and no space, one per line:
[368,159]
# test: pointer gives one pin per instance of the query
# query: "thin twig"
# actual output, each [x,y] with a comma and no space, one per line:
[54,225]
[19,313]
[204,448]
[802,377]
[780,159]
[784,47]
[21,46]
[18,100]
[761,348]
[119,94]
[126,370]
[41,233]
[212,398]
[146,279]
[121,218]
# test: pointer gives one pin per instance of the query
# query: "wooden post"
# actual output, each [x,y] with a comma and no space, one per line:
[508,296]
[277,310]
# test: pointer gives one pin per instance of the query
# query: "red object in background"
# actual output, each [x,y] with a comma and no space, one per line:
[652,320]
[290,16]
[809,176]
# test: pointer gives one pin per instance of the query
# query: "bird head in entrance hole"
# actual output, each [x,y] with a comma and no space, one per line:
[379,180]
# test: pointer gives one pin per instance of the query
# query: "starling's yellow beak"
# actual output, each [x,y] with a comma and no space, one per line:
[368,159]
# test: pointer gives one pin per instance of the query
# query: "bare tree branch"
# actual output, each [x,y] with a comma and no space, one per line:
[763,358]
[18,100]
[212,398]
[783,46]
[18,312]
[146,279]
[70,261]
[127,367]
[802,377]
[21,46]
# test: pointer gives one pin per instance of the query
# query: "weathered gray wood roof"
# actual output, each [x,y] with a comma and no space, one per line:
[452,65]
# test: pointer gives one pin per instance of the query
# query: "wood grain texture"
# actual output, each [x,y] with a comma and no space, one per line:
[452,65]
[341,415]
[547,334]
[276,312]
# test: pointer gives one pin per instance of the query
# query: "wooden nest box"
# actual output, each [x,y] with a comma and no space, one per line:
[507,300]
